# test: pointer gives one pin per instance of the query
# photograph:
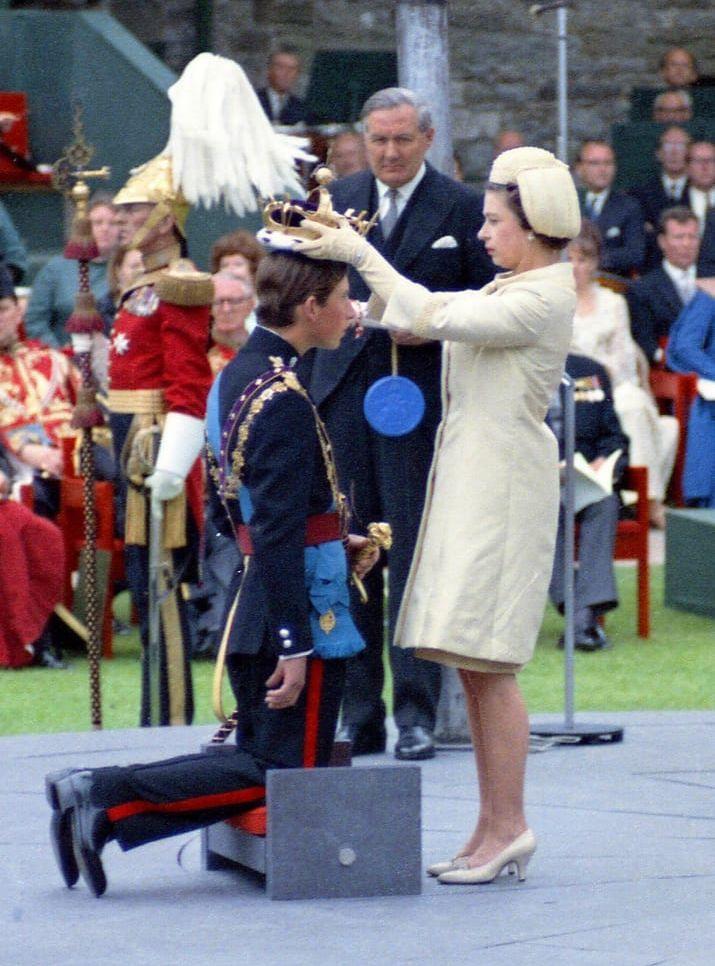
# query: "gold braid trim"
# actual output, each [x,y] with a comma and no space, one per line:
[183,285]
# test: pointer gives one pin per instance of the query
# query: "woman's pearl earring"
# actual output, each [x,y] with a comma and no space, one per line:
[530,237]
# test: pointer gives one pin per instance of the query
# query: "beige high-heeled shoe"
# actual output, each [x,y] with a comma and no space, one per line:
[517,853]
[438,868]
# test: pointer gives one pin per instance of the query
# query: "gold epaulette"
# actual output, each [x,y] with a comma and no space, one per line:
[183,284]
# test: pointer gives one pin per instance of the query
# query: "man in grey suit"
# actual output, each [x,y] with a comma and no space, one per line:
[427,228]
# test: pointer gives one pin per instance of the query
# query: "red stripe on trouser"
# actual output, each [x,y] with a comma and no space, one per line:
[312,712]
[220,800]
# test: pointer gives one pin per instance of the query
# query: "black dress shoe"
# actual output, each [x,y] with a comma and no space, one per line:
[90,832]
[592,639]
[414,744]
[364,741]
[59,796]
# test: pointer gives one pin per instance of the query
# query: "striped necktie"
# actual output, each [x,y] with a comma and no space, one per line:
[389,220]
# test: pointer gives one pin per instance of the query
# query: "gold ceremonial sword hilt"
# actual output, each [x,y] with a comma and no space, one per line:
[379,537]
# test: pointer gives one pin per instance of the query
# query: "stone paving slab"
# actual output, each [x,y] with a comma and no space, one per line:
[623,876]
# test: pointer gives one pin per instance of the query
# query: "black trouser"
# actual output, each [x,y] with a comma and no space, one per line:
[151,801]
[385,479]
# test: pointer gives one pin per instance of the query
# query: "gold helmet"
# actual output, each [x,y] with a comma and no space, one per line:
[153,184]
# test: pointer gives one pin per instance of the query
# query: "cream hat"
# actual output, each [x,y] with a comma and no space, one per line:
[546,188]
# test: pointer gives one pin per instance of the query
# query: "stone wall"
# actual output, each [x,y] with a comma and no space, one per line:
[503,61]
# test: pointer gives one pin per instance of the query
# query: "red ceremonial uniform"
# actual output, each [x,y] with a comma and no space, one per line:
[38,389]
[157,356]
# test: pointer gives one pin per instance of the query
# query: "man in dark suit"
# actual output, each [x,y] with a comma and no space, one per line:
[598,433]
[277,98]
[618,216]
[428,230]
[669,188]
[274,472]
[656,300]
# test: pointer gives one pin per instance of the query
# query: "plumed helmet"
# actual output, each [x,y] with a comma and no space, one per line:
[546,188]
[153,183]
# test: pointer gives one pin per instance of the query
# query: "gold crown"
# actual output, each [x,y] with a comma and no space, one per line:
[286,216]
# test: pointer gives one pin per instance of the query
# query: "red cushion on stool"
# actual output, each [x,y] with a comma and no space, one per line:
[252,821]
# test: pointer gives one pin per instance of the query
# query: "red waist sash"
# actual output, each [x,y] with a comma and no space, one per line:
[320,528]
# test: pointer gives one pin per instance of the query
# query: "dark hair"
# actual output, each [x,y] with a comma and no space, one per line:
[513,200]
[678,213]
[237,243]
[286,279]
[288,49]
[588,241]
[599,142]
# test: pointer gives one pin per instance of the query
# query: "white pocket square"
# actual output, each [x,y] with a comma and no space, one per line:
[446,241]
[613,232]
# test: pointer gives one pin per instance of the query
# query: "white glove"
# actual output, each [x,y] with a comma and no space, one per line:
[81,342]
[164,485]
[343,244]
[181,442]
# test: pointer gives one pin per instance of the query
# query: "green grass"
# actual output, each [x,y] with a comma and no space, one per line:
[673,670]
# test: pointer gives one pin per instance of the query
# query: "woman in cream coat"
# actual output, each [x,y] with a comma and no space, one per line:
[477,588]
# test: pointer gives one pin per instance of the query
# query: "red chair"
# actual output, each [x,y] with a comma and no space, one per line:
[674,393]
[632,542]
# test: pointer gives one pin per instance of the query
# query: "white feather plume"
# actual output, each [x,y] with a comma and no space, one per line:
[222,145]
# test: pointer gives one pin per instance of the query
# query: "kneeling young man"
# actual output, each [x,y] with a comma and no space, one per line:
[287,624]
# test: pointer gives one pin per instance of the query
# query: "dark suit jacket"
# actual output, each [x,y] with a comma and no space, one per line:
[654,304]
[622,227]
[706,261]
[654,200]
[294,110]
[286,478]
[438,208]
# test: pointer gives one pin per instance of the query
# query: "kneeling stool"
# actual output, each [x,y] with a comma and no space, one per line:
[327,833]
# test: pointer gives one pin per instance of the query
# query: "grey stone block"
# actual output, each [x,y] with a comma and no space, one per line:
[330,834]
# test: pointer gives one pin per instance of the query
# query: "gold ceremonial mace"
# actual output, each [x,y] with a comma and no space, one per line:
[70,176]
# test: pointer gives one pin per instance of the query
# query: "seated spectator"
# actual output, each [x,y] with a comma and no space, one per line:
[31,578]
[701,180]
[667,189]
[124,265]
[656,300]
[678,68]
[618,217]
[238,253]
[598,434]
[233,303]
[602,332]
[706,261]
[691,348]
[38,390]
[506,140]
[673,107]
[347,154]
[277,98]
[12,252]
[55,286]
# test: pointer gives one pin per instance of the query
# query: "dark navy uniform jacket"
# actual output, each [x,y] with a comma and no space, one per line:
[285,473]
[598,430]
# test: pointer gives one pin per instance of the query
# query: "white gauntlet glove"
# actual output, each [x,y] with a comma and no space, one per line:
[345,245]
[181,442]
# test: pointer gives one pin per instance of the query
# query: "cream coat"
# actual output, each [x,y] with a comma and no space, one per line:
[477,587]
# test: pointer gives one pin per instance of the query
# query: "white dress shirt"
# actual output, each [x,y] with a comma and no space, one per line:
[403,193]
[682,278]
